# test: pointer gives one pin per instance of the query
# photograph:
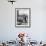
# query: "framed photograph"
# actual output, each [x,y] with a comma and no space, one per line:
[22,17]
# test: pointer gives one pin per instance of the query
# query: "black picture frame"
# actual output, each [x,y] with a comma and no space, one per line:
[23,17]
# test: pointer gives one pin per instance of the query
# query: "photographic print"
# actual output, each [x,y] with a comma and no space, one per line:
[22,17]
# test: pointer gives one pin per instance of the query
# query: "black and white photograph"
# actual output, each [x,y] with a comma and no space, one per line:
[22,17]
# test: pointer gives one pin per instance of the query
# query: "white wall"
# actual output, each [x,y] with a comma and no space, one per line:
[8,30]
